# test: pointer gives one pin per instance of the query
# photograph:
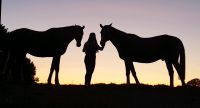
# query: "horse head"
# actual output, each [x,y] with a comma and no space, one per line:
[105,34]
[78,35]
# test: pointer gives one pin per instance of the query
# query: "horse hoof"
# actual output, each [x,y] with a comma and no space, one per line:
[57,84]
[138,83]
[49,83]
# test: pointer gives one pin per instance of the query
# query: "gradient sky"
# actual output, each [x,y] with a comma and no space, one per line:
[145,18]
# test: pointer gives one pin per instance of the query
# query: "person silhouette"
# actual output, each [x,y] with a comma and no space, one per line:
[90,48]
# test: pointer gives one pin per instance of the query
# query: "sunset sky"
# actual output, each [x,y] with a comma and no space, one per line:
[146,18]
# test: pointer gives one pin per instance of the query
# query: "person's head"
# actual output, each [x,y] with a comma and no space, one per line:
[92,38]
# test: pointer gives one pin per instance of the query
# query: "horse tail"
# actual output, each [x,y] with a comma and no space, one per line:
[182,61]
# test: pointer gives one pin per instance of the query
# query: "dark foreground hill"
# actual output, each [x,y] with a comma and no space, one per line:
[98,96]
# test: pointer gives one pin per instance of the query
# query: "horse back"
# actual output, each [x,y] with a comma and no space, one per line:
[148,50]
[39,43]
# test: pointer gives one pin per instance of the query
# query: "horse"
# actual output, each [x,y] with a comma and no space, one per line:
[50,43]
[132,48]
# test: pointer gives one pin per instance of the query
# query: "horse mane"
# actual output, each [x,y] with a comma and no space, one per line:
[125,34]
[50,29]
[65,27]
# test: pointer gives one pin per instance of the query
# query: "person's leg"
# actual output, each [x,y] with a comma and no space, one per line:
[90,65]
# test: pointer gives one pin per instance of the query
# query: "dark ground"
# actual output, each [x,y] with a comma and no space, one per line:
[98,96]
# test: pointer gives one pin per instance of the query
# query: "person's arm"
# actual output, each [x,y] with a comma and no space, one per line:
[100,48]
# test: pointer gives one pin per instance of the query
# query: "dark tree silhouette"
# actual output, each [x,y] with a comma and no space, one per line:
[0,10]
[3,50]
[3,30]
[194,82]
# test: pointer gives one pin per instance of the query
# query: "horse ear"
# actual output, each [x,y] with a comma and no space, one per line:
[110,25]
[101,25]
[83,27]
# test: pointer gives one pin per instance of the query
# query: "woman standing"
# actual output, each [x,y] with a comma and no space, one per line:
[90,48]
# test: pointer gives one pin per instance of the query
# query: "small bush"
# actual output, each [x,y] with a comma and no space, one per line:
[194,82]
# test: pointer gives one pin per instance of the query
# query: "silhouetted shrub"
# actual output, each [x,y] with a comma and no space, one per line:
[29,72]
[194,82]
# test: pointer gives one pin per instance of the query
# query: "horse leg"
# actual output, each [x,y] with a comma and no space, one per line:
[21,66]
[171,73]
[51,70]
[4,64]
[57,64]
[17,71]
[8,67]
[177,66]
[127,65]
[14,68]
[4,60]
[134,73]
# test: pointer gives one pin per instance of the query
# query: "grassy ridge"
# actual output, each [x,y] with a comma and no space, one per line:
[99,96]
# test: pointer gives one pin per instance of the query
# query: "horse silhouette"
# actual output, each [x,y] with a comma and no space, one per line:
[132,48]
[50,43]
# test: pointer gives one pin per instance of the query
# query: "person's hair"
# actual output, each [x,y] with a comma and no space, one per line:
[93,41]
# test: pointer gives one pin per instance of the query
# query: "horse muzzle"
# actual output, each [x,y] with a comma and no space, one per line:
[102,44]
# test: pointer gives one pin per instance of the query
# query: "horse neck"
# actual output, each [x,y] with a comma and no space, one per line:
[68,35]
[121,39]
[117,38]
